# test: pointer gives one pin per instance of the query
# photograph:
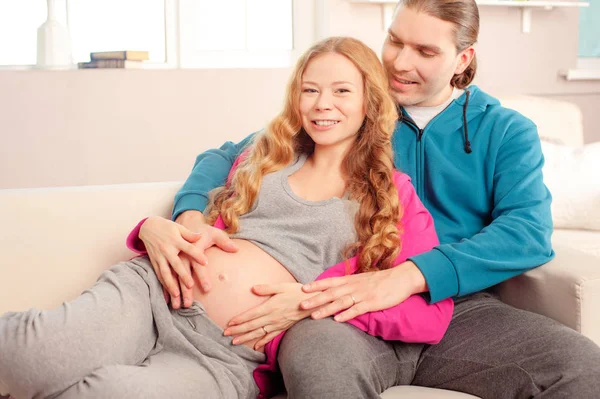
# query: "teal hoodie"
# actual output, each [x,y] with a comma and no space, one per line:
[477,167]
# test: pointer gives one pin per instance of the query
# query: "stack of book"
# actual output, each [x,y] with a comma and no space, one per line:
[116,59]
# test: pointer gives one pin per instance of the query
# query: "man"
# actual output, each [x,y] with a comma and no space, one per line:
[478,168]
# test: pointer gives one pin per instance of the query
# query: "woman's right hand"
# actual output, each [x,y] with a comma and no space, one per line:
[174,251]
[164,240]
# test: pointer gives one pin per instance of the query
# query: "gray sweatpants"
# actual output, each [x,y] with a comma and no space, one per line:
[119,339]
[491,350]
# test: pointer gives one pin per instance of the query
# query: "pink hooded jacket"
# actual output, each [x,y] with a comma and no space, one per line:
[414,320]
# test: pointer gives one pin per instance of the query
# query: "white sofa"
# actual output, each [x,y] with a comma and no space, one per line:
[54,242]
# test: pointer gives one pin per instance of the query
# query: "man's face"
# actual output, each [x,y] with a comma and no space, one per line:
[420,57]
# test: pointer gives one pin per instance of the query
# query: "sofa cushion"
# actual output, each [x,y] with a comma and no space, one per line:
[584,240]
[559,121]
[571,175]
[409,391]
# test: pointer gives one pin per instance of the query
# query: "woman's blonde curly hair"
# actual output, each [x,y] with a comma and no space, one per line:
[368,166]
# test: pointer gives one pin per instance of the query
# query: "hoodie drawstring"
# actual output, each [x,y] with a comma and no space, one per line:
[467,142]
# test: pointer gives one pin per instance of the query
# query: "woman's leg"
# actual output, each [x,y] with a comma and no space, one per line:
[163,375]
[44,352]
[195,361]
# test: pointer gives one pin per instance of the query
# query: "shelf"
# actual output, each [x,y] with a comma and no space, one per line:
[526,7]
[548,5]
[580,74]
[501,3]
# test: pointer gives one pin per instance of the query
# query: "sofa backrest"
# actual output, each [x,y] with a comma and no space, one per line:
[55,242]
[557,121]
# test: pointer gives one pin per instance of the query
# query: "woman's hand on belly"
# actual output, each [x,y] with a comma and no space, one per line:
[175,252]
[267,320]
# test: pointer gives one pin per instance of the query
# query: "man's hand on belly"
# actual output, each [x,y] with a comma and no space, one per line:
[351,296]
[272,317]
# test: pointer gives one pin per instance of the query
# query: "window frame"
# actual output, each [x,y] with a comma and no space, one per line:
[302,36]
[226,59]
[587,68]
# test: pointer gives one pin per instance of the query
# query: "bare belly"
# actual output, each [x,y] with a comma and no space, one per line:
[232,276]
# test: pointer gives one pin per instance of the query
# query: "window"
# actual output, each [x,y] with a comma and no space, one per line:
[589,36]
[107,25]
[19,20]
[184,33]
[236,33]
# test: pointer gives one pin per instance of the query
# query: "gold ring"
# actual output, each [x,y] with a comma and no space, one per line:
[265,330]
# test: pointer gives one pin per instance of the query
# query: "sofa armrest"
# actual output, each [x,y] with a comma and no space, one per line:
[566,289]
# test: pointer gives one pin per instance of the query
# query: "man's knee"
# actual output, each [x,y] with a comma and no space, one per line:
[559,361]
[573,362]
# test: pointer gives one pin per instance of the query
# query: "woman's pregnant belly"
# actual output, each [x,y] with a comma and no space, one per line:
[232,276]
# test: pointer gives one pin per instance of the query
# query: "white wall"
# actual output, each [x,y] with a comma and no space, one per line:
[120,126]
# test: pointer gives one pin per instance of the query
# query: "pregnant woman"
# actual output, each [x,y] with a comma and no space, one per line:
[315,196]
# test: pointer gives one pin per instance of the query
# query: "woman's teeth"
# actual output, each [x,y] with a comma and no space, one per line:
[325,123]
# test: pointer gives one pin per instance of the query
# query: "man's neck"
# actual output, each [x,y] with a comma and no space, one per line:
[439,99]
[422,115]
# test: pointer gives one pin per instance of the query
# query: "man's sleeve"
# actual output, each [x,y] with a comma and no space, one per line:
[516,240]
[209,172]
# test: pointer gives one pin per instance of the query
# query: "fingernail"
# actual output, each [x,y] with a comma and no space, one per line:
[337,318]
[306,286]
[305,304]
[235,341]
[317,314]
[226,332]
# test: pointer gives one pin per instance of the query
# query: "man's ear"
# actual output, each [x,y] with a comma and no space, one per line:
[464,59]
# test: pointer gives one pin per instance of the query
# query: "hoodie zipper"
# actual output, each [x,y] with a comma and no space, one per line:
[420,147]
[418,155]
[420,160]
[420,152]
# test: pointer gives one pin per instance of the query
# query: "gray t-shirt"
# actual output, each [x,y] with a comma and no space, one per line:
[306,237]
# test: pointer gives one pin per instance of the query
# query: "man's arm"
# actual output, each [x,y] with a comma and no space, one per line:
[209,172]
[517,239]
[411,319]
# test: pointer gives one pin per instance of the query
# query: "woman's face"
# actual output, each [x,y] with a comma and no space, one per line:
[332,103]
